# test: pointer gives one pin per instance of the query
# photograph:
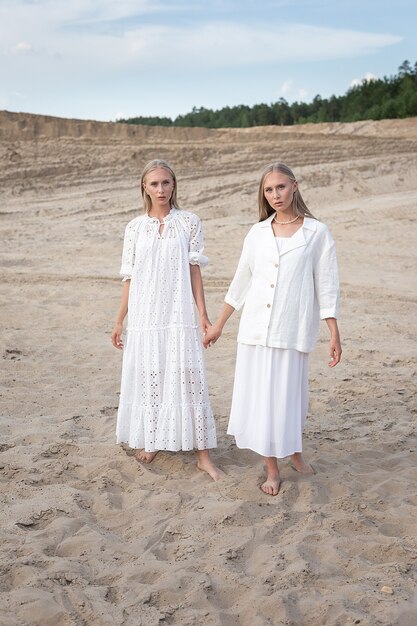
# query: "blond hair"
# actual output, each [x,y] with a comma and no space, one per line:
[298,205]
[153,165]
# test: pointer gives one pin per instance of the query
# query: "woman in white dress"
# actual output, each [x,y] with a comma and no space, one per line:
[164,402]
[287,280]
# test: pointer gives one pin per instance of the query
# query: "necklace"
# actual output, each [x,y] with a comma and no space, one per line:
[283,223]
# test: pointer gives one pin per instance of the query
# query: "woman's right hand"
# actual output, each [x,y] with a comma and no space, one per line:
[211,335]
[116,336]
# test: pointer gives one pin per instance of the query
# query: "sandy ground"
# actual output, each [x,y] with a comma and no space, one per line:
[89,536]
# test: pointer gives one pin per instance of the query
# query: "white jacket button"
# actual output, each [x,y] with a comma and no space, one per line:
[269,306]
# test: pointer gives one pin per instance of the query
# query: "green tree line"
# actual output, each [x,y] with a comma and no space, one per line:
[373,99]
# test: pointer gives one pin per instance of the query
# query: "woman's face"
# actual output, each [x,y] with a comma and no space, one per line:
[159,186]
[279,190]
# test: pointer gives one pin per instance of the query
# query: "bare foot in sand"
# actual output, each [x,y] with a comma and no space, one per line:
[271,486]
[301,466]
[205,464]
[145,457]
[273,481]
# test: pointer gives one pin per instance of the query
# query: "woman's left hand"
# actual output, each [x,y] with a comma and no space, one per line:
[205,324]
[335,351]
[212,335]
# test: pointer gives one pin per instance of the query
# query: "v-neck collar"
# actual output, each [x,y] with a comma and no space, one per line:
[297,240]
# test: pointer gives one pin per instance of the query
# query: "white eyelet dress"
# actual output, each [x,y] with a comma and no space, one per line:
[164,402]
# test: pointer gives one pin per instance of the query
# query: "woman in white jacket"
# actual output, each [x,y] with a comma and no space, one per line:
[287,280]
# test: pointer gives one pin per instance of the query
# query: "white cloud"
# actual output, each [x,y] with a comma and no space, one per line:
[286,87]
[356,82]
[232,45]
[65,29]
[21,48]
[290,91]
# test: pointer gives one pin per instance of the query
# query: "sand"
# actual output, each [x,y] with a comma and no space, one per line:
[91,537]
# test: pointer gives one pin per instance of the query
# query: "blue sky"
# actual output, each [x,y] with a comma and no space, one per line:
[103,59]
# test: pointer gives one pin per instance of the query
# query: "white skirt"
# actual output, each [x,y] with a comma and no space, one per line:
[270,400]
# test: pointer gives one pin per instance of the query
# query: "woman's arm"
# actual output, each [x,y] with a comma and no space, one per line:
[214,332]
[198,293]
[335,345]
[116,336]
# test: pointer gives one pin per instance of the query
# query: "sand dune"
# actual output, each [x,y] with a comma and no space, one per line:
[91,537]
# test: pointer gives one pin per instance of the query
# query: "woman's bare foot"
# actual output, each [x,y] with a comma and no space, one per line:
[145,457]
[273,481]
[205,464]
[301,466]
[271,486]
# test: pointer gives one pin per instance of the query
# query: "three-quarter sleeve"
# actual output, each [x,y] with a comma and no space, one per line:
[128,254]
[196,246]
[326,279]
[239,287]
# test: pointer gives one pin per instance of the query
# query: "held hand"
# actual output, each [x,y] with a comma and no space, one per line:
[211,336]
[335,351]
[116,336]
[205,324]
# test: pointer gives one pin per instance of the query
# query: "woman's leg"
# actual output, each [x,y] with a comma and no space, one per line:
[300,465]
[205,464]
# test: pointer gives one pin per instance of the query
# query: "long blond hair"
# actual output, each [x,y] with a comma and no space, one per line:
[153,165]
[298,204]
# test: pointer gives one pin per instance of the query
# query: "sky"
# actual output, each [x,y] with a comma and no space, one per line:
[110,59]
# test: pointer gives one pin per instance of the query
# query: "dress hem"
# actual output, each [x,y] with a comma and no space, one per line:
[208,447]
[277,456]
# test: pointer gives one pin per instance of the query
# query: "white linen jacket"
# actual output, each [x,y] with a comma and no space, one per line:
[285,294]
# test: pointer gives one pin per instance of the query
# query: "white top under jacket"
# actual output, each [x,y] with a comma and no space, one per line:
[285,294]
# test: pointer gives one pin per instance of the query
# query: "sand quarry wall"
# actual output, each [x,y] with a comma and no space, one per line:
[19,126]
